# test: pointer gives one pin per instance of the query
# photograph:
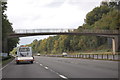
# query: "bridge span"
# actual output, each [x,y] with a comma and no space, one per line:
[114,34]
[33,32]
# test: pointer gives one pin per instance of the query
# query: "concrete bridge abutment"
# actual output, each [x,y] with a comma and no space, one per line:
[116,44]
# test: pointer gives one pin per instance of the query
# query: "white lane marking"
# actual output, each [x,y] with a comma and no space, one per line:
[6,65]
[55,72]
[41,65]
[63,77]
[58,74]
[46,67]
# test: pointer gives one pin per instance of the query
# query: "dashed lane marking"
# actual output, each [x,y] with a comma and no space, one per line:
[63,77]
[41,65]
[46,67]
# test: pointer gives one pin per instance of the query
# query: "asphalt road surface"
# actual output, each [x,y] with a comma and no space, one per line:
[65,68]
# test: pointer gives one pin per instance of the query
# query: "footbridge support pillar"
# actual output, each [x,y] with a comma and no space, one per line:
[116,44]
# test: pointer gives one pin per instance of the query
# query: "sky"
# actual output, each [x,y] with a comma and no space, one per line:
[48,14]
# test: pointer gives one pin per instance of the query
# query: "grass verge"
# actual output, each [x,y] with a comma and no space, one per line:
[6,61]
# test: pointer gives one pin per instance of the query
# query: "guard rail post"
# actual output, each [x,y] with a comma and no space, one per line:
[93,56]
[102,56]
[113,57]
[97,56]
[89,55]
[107,57]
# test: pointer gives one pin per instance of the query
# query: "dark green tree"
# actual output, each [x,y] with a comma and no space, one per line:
[96,14]
[8,43]
[110,21]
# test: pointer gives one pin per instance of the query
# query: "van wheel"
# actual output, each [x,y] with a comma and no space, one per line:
[31,62]
[17,62]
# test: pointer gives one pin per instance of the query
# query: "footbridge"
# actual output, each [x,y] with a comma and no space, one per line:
[114,34]
[34,32]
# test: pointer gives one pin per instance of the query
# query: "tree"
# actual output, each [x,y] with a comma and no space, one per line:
[96,14]
[50,44]
[8,43]
[110,21]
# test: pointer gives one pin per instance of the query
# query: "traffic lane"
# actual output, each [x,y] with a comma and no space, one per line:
[25,70]
[92,63]
[71,69]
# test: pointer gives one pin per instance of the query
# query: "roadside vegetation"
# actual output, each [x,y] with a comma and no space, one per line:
[7,60]
[7,43]
[7,29]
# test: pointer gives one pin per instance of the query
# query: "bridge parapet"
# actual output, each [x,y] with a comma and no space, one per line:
[98,31]
[42,30]
[114,34]
[67,30]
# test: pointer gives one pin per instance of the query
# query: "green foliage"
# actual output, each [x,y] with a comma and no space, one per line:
[96,14]
[7,29]
[109,21]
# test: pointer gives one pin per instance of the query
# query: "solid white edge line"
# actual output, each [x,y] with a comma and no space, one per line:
[6,65]
[63,77]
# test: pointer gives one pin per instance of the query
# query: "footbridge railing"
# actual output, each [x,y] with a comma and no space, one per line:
[67,30]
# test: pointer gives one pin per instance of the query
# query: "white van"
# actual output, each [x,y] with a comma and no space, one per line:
[24,54]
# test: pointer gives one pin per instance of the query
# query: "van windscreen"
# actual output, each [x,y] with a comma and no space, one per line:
[24,49]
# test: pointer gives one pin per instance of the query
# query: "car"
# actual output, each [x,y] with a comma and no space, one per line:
[38,54]
[64,54]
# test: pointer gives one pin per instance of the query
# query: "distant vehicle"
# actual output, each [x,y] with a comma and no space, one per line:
[24,54]
[38,54]
[64,54]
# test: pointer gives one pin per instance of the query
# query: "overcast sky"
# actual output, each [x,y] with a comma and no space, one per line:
[48,14]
